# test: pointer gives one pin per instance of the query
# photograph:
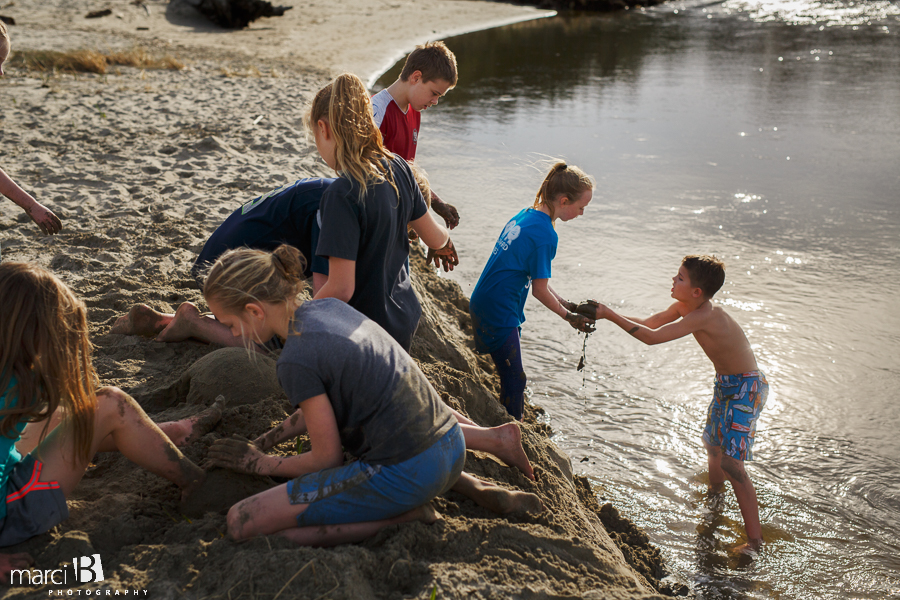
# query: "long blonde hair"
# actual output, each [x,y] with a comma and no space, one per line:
[243,275]
[44,344]
[359,149]
[562,181]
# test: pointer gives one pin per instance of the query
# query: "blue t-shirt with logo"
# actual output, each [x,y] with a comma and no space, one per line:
[9,456]
[523,252]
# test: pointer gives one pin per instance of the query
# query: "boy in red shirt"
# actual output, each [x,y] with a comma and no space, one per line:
[428,74]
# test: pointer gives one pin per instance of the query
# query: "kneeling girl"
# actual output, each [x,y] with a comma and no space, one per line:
[357,388]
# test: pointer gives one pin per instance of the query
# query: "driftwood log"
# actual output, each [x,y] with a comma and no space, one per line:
[236,14]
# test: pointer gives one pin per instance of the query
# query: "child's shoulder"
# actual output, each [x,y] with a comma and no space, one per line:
[382,103]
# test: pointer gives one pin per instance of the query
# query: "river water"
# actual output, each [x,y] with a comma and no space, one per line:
[766,133]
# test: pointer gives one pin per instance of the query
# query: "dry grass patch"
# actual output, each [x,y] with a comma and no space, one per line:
[91,61]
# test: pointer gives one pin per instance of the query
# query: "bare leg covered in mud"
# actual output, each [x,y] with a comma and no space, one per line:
[187,431]
[495,498]
[182,433]
[187,323]
[119,424]
[271,512]
[722,467]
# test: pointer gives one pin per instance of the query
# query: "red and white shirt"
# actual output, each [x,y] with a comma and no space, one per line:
[399,129]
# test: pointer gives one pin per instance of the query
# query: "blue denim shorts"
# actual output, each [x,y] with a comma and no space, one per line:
[357,492]
[731,419]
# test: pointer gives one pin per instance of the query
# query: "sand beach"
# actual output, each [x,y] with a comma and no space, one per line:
[141,165]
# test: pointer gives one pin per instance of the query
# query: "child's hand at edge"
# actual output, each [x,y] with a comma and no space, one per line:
[446,256]
[238,454]
[44,218]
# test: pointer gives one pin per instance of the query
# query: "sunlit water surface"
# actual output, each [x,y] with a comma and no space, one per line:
[766,133]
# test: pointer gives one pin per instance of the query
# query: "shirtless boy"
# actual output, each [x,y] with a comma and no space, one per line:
[740,390]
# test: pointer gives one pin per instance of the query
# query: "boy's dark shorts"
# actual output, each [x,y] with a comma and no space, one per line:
[32,506]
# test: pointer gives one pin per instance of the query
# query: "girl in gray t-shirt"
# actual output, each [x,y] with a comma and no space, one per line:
[358,391]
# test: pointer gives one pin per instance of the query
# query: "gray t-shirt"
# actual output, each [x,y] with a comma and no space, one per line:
[373,233]
[385,408]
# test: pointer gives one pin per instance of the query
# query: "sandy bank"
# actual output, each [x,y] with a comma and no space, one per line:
[361,36]
[142,166]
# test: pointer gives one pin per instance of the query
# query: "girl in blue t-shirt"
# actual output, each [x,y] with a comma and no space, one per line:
[53,416]
[521,259]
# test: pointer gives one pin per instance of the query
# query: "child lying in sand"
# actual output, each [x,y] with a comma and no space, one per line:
[287,215]
[40,214]
[356,388]
[53,419]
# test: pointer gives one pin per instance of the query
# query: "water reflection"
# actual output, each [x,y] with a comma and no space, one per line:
[743,129]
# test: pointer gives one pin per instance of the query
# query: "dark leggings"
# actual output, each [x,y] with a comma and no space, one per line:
[508,359]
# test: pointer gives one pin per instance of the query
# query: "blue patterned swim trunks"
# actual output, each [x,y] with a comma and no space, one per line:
[731,419]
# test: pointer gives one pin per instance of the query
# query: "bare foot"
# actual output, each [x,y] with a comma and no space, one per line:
[511,451]
[507,502]
[751,548]
[187,431]
[180,327]
[141,320]
[496,498]
[426,513]
[9,562]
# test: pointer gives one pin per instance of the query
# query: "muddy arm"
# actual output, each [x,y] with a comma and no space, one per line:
[291,427]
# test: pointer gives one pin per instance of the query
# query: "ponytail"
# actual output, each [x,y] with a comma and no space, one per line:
[563,181]
[359,150]
[243,275]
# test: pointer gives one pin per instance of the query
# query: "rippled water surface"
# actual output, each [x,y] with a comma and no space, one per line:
[766,133]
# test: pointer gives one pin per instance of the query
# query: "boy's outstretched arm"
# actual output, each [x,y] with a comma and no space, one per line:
[594,309]
[40,214]
[689,323]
